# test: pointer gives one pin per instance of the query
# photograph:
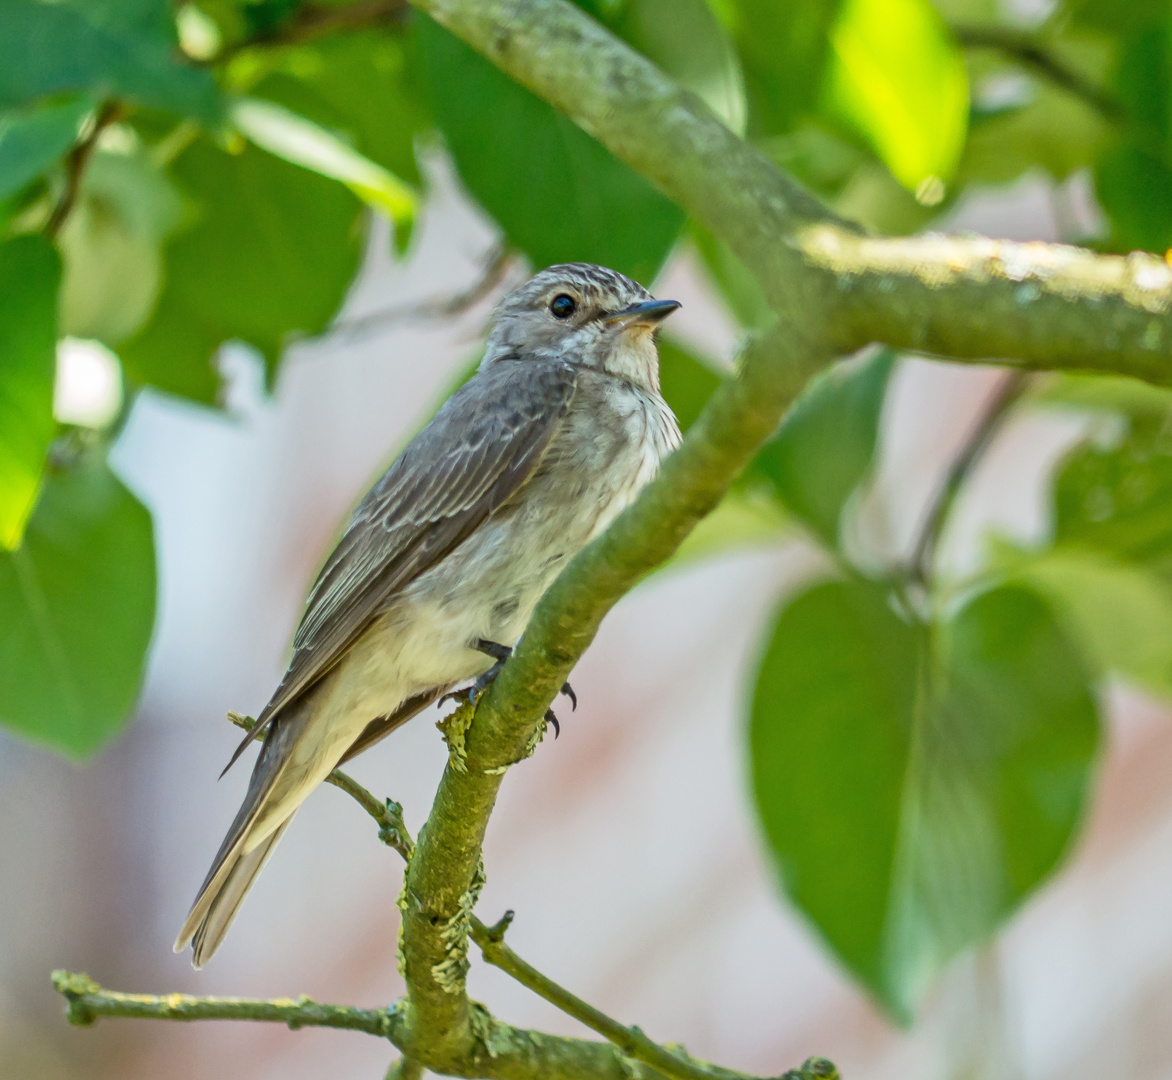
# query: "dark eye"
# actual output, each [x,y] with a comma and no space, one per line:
[562,306]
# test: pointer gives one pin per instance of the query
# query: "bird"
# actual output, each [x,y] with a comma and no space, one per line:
[445,558]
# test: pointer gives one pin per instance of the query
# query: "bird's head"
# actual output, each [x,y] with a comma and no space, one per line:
[585,314]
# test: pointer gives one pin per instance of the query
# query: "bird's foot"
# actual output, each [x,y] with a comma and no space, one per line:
[501,653]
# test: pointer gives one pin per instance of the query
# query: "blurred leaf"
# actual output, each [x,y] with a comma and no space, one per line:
[784,48]
[1119,612]
[271,254]
[915,786]
[32,140]
[824,448]
[685,381]
[1133,181]
[356,83]
[302,142]
[1118,499]
[113,48]
[559,195]
[112,246]
[77,605]
[1109,393]
[1135,189]
[899,79]
[686,40]
[29,275]
[1116,17]
[1055,131]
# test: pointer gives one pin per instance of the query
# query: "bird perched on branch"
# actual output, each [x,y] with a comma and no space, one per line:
[447,555]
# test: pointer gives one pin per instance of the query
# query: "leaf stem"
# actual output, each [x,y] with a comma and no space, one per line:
[76,161]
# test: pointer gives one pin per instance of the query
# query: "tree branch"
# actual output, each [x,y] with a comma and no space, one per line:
[388,815]
[1039,305]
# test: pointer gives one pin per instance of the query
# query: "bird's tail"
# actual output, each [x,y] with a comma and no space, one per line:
[276,789]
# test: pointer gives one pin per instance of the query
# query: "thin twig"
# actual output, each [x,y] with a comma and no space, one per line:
[495,268]
[75,164]
[1026,49]
[923,556]
[88,1001]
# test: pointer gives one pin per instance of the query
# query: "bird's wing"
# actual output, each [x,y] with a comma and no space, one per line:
[470,459]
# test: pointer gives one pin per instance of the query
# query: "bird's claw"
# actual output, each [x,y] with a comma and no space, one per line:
[550,718]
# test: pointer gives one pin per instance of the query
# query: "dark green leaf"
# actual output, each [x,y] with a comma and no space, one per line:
[559,195]
[915,786]
[271,253]
[783,48]
[77,604]
[111,49]
[31,140]
[825,446]
[736,283]
[29,276]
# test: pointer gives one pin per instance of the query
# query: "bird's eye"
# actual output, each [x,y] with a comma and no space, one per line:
[562,306]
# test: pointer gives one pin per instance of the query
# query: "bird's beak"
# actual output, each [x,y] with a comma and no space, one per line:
[650,313]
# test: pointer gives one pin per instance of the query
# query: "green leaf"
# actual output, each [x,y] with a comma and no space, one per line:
[77,605]
[685,381]
[29,275]
[359,84]
[270,255]
[897,77]
[112,49]
[915,786]
[302,142]
[1133,180]
[559,195]
[1118,499]
[824,448]
[1120,613]
[685,39]
[32,140]
[784,49]
[112,246]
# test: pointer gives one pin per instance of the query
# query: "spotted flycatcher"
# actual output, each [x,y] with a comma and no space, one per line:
[448,554]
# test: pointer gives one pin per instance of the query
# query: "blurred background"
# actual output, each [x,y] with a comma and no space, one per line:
[648,850]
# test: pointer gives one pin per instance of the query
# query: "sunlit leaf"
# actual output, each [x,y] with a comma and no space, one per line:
[359,84]
[916,786]
[302,142]
[29,276]
[825,446]
[128,50]
[559,195]
[31,140]
[77,603]
[899,79]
